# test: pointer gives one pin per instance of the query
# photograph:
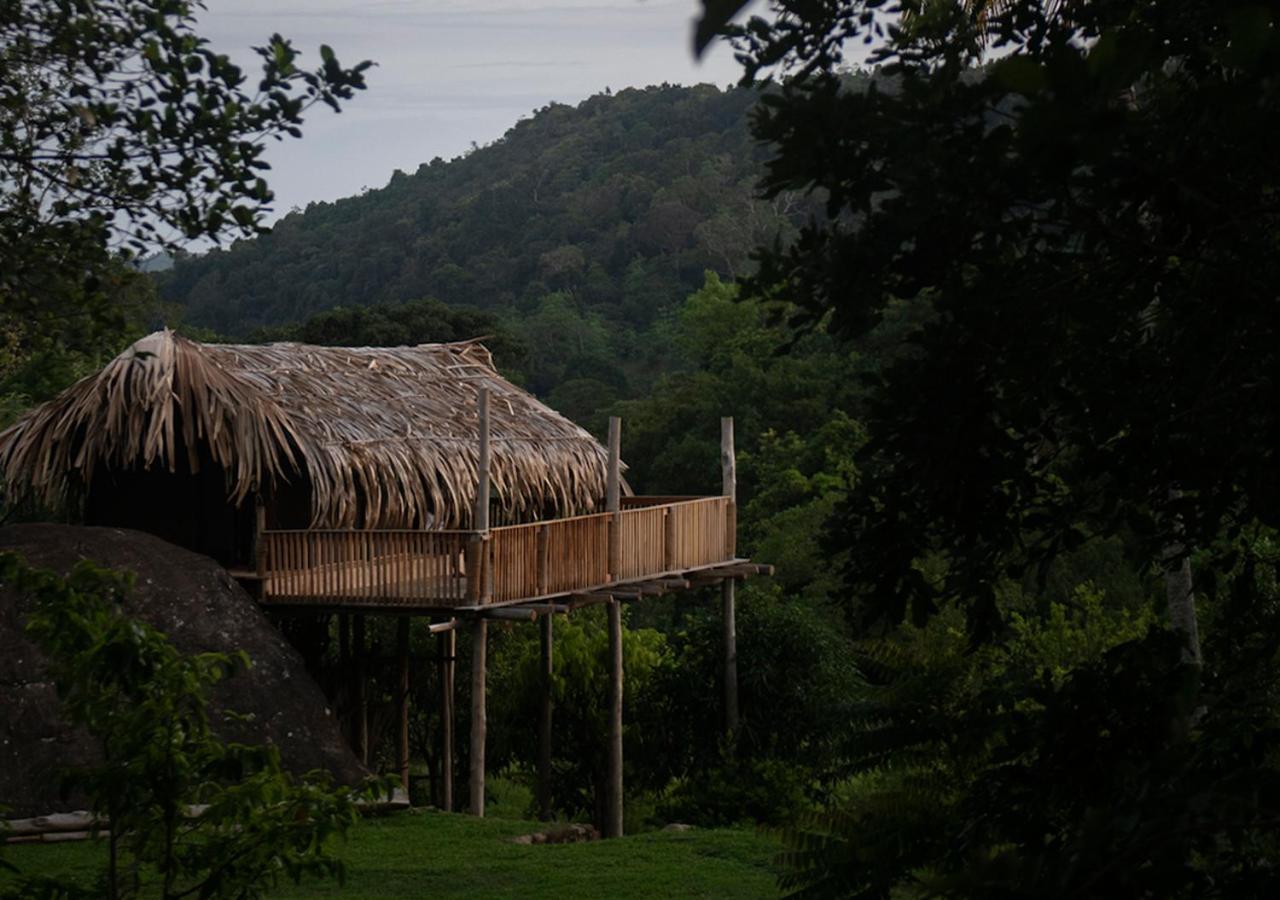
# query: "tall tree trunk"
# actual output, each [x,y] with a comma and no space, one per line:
[1178,590]
[1182,601]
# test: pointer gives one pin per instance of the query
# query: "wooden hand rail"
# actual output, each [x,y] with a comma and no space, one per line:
[398,567]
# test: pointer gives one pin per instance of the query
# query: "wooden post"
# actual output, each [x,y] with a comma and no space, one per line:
[259,538]
[448,655]
[613,801]
[362,706]
[481,512]
[729,488]
[402,650]
[728,464]
[544,721]
[478,646]
[477,549]
[613,483]
[613,497]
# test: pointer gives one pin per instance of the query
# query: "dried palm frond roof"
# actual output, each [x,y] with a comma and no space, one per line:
[385,436]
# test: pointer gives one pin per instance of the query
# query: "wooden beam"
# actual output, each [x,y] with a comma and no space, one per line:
[729,488]
[622,592]
[361,700]
[479,642]
[513,613]
[442,627]
[613,800]
[448,648]
[402,650]
[579,600]
[551,609]
[544,720]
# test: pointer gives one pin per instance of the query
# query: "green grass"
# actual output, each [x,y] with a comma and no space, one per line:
[431,854]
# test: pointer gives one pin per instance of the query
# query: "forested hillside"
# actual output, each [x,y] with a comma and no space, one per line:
[617,205]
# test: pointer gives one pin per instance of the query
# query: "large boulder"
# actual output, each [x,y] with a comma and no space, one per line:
[201,608]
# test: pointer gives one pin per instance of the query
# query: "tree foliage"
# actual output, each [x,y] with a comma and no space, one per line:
[1074,204]
[122,130]
[620,203]
[187,814]
[1098,327]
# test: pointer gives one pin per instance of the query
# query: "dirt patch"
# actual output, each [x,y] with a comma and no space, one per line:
[202,609]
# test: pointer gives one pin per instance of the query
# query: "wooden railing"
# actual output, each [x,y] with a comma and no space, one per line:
[509,564]
[396,568]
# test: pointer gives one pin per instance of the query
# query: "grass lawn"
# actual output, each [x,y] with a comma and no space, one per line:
[431,854]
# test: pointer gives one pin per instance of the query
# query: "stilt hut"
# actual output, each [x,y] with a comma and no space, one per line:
[408,480]
[186,440]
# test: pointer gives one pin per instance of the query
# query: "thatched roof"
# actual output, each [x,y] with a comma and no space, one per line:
[386,436]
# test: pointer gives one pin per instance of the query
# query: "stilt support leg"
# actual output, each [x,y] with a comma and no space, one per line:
[613,806]
[361,696]
[544,721]
[730,659]
[448,654]
[402,749]
[478,647]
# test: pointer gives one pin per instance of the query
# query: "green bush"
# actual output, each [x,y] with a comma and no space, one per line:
[188,814]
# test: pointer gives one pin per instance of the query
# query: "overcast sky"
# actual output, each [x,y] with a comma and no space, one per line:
[450,72]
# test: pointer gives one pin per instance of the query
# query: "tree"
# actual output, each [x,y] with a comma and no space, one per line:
[1097,284]
[1078,202]
[188,815]
[122,131]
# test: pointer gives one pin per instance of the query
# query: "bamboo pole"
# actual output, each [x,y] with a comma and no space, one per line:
[481,511]
[478,564]
[362,706]
[613,485]
[729,488]
[613,807]
[402,648]
[544,720]
[448,654]
[478,647]
[613,490]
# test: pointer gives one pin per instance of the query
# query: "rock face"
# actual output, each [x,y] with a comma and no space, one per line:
[202,609]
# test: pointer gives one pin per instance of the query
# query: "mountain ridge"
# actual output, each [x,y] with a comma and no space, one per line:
[621,202]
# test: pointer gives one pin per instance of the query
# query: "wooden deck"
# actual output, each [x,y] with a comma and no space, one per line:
[650,538]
